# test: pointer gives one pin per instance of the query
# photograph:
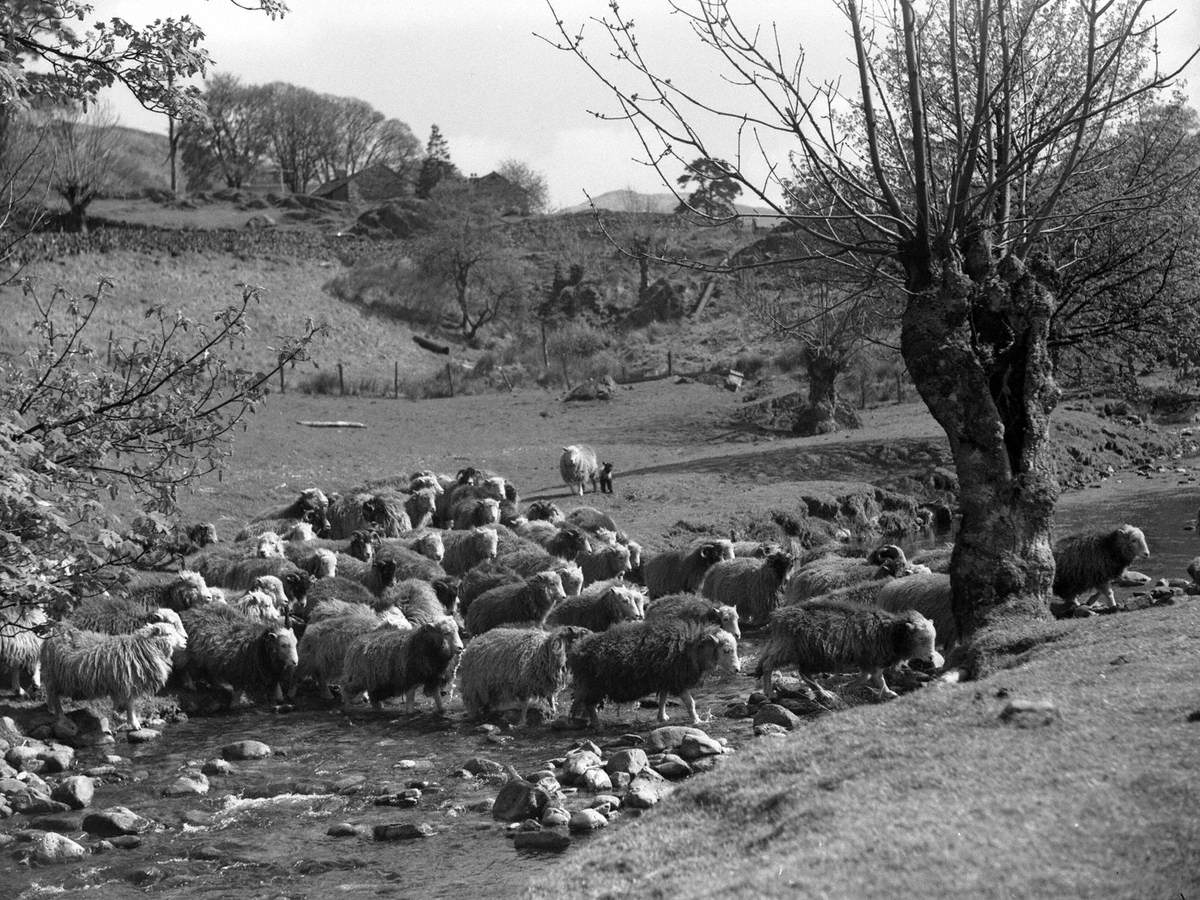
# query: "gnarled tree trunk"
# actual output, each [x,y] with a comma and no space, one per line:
[976,347]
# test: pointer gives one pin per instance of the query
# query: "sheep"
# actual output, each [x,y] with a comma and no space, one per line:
[398,564]
[383,513]
[570,575]
[528,602]
[237,652]
[309,519]
[242,573]
[482,578]
[596,613]
[318,562]
[1090,562]
[565,542]
[515,664]
[88,665]
[268,545]
[257,604]
[830,572]
[834,635]
[337,588]
[473,513]
[751,584]
[417,600]
[673,571]
[322,649]
[603,561]
[928,594]
[665,656]
[471,485]
[509,540]
[390,661]
[591,519]
[530,562]
[310,500]
[300,533]
[465,549]
[173,590]
[544,510]
[21,642]
[576,465]
[757,549]
[112,615]
[696,609]
[427,543]
[421,506]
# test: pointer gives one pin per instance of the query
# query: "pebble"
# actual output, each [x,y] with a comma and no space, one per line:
[1030,713]
[587,820]
[143,736]
[597,780]
[519,800]
[246,750]
[770,729]
[631,761]
[668,765]
[402,831]
[191,785]
[113,821]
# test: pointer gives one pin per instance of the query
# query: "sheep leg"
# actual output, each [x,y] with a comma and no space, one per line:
[15,682]
[689,703]
[54,703]
[885,692]
[768,687]
[277,694]
[438,703]
[410,700]
[131,716]
[662,706]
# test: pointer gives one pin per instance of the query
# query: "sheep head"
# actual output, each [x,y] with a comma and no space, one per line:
[718,650]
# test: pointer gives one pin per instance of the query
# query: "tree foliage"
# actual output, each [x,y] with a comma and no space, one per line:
[531,182]
[715,192]
[436,166]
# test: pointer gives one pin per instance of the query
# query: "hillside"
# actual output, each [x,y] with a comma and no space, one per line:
[630,201]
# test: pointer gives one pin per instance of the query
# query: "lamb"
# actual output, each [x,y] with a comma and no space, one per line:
[673,571]
[576,465]
[173,590]
[927,594]
[544,510]
[88,665]
[322,649]
[21,642]
[750,584]
[606,478]
[466,549]
[242,573]
[695,608]
[475,512]
[529,602]
[383,513]
[834,635]
[515,664]
[596,613]
[665,656]
[389,661]
[417,600]
[236,652]
[1090,562]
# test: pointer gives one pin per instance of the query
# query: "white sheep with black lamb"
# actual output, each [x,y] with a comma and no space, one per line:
[929,594]
[835,636]
[683,569]
[578,464]
[598,612]
[238,653]
[390,661]
[527,603]
[1089,562]
[90,665]
[21,642]
[696,608]
[520,665]
[662,657]
[466,549]
[751,584]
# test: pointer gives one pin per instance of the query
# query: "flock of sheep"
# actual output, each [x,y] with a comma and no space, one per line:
[414,582]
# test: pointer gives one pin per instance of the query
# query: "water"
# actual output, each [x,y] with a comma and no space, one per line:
[267,821]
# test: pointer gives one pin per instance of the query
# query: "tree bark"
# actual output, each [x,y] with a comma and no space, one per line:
[976,346]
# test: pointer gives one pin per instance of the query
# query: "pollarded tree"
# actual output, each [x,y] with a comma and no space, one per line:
[968,126]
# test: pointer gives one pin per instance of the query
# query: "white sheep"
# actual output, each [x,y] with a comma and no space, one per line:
[578,464]
[20,642]
[390,661]
[751,584]
[515,665]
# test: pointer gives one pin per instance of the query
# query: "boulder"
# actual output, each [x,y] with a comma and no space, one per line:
[774,714]
[402,831]
[669,737]
[519,800]
[587,820]
[218,767]
[50,847]
[668,765]
[113,821]
[76,791]
[187,785]
[555,816]
[57,759]
[577,763]
[631,761]
[481,766]
[1030,713]
[245,750]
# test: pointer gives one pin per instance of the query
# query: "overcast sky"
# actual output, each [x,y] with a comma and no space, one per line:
[496,91]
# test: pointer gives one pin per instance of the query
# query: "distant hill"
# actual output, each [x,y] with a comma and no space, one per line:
[631,201]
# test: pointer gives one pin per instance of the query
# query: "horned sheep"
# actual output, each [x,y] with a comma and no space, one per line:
[751,584]
[236,652]
[673,571]
[89,665]
[1089,562]
[664,657]
[389,661]
[528,602]
[578,464]
[515,664]
[833,636]
[598,612]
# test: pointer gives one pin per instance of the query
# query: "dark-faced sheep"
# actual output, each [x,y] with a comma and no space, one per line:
[322,649]
[835,636]
[383,513]
[89,665]
[238,653]
[21,641]
[397,565]
[465,549]
[596,613]
[311,506]
[683,570]
[1089,562]
[389,661]
[577,465]
[750,584]
[520,604]
[565,542]
[929,594]
[696,608]
[544,510]
[421,507]
[520,665]
[663,657]
[605,559]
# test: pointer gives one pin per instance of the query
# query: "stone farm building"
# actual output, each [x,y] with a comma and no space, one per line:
[374,183]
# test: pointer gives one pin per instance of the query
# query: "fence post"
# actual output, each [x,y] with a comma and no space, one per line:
[396,378]
[341,381]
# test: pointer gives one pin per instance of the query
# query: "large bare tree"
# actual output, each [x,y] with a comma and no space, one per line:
[967,124]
